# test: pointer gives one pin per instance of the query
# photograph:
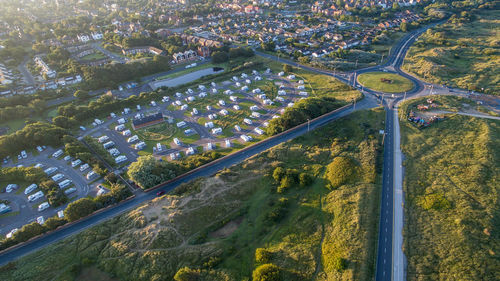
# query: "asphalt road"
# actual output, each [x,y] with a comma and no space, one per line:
[208,170]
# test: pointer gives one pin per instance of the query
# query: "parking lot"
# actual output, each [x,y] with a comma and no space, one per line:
[22,210]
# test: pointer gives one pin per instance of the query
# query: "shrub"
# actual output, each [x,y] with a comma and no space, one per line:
[339,263]
[186,274]
[262,255]
[286,183]
[266,272]
[340,171]
[305,179]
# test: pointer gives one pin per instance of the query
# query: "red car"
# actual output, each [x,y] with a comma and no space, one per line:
[160,193]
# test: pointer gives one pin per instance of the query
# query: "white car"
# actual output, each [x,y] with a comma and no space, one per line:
[43,206]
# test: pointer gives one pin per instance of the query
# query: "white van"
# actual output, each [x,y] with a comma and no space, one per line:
[30,188]
[57,153]
[43,206]
[58,177]
[50,171]
[35,196]
[75,163]
[84,167]
[65,183]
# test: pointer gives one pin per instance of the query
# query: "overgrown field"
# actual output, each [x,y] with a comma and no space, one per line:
[463,52]
[452,181]
[288,208]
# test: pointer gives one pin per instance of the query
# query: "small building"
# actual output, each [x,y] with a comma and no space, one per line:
[149,120]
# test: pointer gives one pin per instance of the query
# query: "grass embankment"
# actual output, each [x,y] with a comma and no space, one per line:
[311,231]
[452,202]
[385,82]
[464,55]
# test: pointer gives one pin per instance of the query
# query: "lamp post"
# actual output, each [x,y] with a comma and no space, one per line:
[308,124]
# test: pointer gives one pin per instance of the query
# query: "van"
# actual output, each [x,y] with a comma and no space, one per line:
[132,139]
[57,153]
[65,183]
[120,127]
[43,206]
[70,190]
[140,145]
[120,159]
[35,196]
[91,174]
[103,139]
[177,141]
[75,163]
[30,188]
[50,171]
[109,144]
[11,187]
[58,177]
[84,167]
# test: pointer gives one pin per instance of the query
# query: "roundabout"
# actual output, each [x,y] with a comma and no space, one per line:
[385,82]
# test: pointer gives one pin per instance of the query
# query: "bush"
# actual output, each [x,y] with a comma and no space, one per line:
[287,68]
[262,255]
[340,171]
[220,57]
[187,274]
[266,272]
[339,263]
[286,182]
[305,179]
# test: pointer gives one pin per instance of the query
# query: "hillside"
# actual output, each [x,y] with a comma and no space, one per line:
[223,227]
[452,212]
[463,52]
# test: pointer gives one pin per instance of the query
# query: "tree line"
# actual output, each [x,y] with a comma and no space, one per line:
[302,111]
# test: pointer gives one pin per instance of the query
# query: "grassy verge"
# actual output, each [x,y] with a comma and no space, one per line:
[216,224]
[451,192]
[385,82]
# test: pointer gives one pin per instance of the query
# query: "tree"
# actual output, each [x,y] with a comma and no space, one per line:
[266,272]
[148,172]
[340,171]
[54,222]
[304,59]
[287,68]
[81,94]
[403,26]
[79,209]
[28,231]
[219,57]
[268,46]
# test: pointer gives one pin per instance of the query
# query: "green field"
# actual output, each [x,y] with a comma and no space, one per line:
[464,55]
[385,82]
[311,231]
[93,56]
[451,192]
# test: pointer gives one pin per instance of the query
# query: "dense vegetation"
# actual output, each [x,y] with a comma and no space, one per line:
[464,52]
[240,224]
[302,111]
[452,202]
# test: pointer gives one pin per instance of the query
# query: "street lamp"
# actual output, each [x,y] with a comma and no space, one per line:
[308,123]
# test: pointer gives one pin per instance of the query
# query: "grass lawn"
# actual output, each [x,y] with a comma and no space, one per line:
[217,223]
[451,198]
[393,83]
[93,56]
